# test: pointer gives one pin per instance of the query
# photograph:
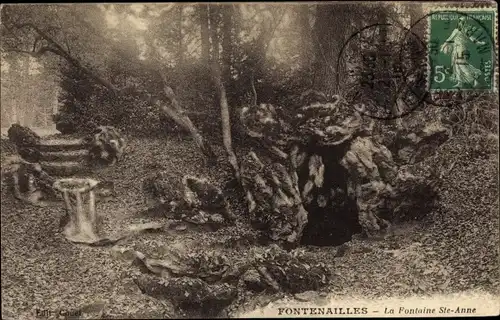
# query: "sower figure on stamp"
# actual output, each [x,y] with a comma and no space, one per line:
[456,45]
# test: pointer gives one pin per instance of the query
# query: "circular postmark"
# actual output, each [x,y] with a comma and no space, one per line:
[382,71]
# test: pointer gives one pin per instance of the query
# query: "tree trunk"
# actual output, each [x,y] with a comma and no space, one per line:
[25,113]
[323,35]
[330,28]
[382,40]
[226,122]
[214,32]
[177,114]
[305,33]
[180,49]
[227,42]
[204,33]
[221,91]
[416,13]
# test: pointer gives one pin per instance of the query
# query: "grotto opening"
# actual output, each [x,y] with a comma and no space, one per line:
[323,174]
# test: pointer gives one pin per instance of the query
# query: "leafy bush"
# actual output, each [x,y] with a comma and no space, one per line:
[26,141]
[23,136]
[7,149]
[85,104]
[78,110]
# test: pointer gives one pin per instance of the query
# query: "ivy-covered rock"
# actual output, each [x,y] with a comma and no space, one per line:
[26,141]
[331,123]
[274,199]
[191,199]
[106,145]
[201,194]
[162,187]
[291,273]
[195,294]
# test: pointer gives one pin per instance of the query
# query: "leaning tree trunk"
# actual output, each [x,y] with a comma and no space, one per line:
[177,114]
[226,123]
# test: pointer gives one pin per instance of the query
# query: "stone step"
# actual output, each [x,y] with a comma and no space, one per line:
[53,145]
[71,155]
[63,169]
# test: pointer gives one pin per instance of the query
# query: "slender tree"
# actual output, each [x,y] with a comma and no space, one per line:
[180,42]
[303,22]
[204,33]
[227,41]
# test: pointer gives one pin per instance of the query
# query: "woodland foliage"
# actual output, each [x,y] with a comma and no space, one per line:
[225,73]
[268,54]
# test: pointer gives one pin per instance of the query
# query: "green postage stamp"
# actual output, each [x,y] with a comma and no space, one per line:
[462,49]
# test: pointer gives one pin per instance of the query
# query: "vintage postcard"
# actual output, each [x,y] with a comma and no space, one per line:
[249,159]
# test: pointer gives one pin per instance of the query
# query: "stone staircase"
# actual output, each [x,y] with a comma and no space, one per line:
[63,157]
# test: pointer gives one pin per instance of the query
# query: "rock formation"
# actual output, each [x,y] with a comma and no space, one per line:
[322,175]
[106,145]
[190,199]
[208,280]
[26,141]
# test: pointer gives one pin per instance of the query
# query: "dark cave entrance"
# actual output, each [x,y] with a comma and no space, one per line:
[333,222]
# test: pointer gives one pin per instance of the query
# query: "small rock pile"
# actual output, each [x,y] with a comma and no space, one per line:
[189,199]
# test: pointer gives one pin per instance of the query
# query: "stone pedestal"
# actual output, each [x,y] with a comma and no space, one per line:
[79,198]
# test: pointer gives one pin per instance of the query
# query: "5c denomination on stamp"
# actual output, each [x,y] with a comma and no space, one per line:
[461,48]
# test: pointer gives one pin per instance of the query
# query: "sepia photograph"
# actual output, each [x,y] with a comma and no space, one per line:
[249,159]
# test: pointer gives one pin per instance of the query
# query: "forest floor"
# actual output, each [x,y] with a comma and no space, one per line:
[454,249]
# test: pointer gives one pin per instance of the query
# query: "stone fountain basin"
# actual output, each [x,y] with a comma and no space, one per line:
[75,184]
